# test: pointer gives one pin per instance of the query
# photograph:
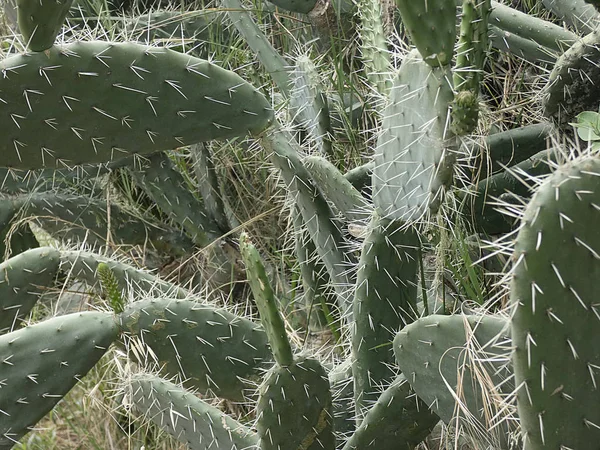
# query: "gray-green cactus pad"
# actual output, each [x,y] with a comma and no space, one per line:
[23,278]
[412,162]
[210,348]
[189,419]
[42,362]
[399,420]
[556,324]
[450,358]
[294,408]
[96,101]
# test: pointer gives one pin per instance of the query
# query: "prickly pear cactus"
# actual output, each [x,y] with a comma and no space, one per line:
[555,326]
[23,279]
[42,362]
[294,408]
[98,101]
[210,348]
[432,27]
[412,162]
[186,417]
[41,20]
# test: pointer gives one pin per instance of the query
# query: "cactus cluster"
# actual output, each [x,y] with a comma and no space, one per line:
[518,370]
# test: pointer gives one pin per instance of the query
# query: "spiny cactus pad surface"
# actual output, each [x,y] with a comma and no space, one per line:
[42,362]
[294,408]
[555,327]
[40,21]
[22,281]
[432,27]
[186,417]
[412,162]
[210,348]
[450,358]
[399,420]
[98,101]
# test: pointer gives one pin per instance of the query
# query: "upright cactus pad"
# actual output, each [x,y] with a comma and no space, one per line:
[555,327]
[42,362]
[40,21]
[294,408]
[186,417]
[399,420]
[97,101]
[210,348]
[22,281]
[384,301]
[571,87]
[412,161]
[432,27]
[456,364]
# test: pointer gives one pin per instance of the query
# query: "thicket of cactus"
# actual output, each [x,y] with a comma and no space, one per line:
[86,133]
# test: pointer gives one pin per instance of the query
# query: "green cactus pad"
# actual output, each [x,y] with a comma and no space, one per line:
[571,87]
[42,362]
[385,301]
[555,324]
[576,13]
[412,161]
[98,101]
[446,358]
[308,104]
[374,48]
[316,213]
[266,302]
[41,20]
[209,348]
[165,185]
[294,408]
[298,6]
[347,199]
[186,417]
[23,278]
[432,27]
[342,394]
[398,420]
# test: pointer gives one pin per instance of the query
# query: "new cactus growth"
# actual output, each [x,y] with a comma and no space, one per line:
[266,302]
[555,324]
[144,99]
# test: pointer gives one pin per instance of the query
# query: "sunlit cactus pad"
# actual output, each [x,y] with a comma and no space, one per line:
[94,101]
[412,162]
[556,325]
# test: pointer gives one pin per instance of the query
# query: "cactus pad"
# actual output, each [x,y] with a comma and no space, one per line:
[555,327]
[210,348]
[450,358]
[294,408]
[412,162]
[97,101]
[41,20]
[42,362]
[22,281]
[186,417]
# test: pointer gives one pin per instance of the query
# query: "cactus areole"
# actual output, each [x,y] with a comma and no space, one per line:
[96,101]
